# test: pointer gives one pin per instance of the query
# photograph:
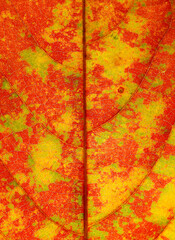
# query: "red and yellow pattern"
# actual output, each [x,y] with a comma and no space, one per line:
[87,100]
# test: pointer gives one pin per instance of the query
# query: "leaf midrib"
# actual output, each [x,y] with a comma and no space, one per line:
[85,189]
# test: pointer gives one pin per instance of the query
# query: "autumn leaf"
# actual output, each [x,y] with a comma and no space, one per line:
[87,120]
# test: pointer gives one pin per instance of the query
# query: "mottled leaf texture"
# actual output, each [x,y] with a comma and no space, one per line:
[87,112]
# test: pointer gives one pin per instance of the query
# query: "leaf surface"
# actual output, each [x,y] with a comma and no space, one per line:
[87,119]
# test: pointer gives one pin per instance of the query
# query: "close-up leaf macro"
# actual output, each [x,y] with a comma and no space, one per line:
[87,120]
